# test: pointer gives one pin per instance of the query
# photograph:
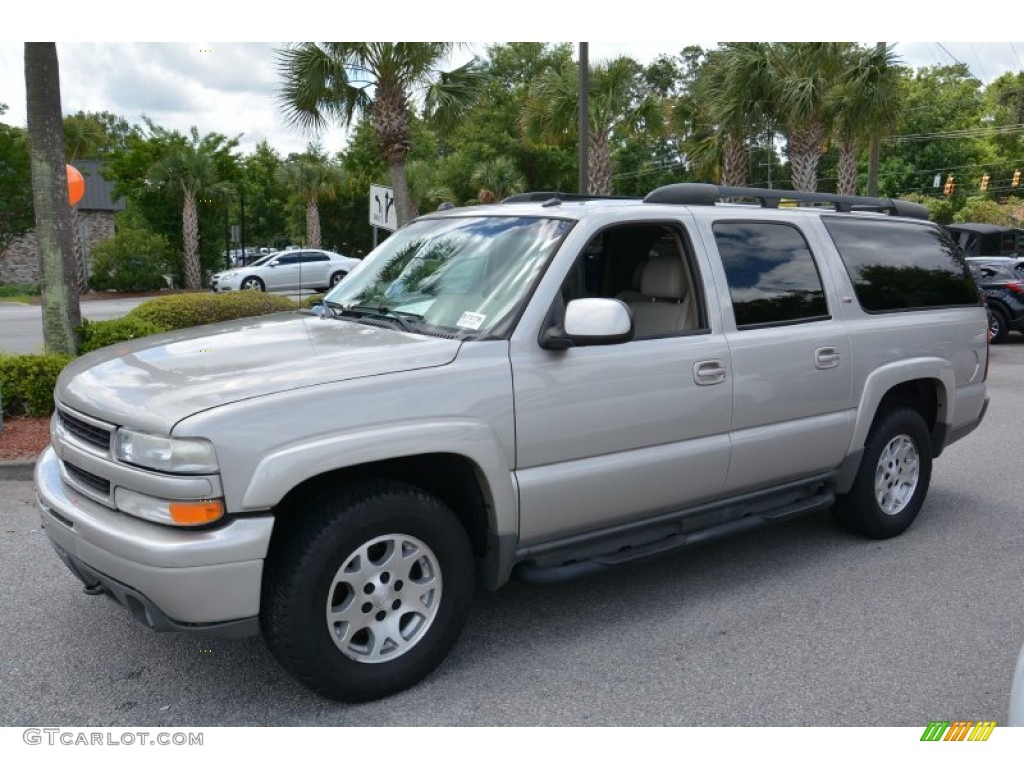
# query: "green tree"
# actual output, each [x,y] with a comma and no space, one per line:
[938,133]
[61,314]
[804,81]
[729,104]
[497,179]
[866,103]
[493,128]
[266,197]
[1003,102]
[16,213]
[340,81]
[134,259]
[189,170]
[619,107]
[311,179]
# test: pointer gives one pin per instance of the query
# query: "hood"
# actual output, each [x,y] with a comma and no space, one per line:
[154,382]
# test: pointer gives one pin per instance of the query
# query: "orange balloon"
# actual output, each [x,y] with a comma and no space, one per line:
[76,184]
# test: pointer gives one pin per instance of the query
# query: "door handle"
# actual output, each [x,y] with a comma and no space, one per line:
[708,372]
[826,357]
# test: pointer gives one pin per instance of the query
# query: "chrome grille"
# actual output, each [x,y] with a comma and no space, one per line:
[85,432]
[88,479]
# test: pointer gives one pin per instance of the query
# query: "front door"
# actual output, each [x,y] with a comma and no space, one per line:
[612,434]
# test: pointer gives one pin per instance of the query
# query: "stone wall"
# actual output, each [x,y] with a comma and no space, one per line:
[20,262]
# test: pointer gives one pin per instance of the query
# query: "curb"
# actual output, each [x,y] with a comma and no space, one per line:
[17,470]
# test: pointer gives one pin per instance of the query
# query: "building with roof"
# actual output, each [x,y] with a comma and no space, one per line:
[19,262]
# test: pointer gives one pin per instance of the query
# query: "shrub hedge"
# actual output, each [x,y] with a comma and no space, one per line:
[187,309]
[27,382]
[102,333]
[19,289]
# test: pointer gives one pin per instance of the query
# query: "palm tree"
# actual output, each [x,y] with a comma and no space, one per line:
[867,104]
[496,179]
[731,103]
[189,168]
[341,81]
[616,105]
[312,180]
[804,81]
[84,136]
[425,186]
[61,313]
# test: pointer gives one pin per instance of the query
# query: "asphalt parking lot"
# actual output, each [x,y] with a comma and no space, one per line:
[799,625]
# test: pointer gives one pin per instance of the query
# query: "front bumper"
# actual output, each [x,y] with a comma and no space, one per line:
[205,581]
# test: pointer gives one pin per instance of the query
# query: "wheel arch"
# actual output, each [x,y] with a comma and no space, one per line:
[475,488]
[924,386]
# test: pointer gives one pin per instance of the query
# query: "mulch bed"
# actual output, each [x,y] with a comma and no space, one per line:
[23,437]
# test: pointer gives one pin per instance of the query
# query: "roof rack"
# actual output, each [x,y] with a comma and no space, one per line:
[555,197]
[709,194]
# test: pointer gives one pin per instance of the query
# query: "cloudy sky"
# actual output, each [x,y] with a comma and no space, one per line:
[230,87]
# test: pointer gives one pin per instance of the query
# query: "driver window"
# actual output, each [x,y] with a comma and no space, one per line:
[649,268]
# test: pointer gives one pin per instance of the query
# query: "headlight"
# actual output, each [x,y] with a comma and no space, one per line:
[225,275]
[190,456]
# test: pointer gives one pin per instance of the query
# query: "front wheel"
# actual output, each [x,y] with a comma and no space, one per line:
[252,284]
[893,477]
[367,589]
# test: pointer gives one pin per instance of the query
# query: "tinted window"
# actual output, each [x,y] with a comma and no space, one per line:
[771,273]
[285,260]
[898,265]
[308,257]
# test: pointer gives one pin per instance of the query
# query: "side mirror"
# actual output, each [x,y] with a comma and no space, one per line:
[591,322]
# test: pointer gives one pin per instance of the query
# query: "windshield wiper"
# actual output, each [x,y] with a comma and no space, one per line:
[378,313]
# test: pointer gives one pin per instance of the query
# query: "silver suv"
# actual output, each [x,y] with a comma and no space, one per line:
[547,387]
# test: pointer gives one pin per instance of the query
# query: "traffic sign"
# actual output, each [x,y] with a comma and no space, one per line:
[382,208]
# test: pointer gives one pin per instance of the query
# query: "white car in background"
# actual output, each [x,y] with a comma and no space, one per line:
[301,269]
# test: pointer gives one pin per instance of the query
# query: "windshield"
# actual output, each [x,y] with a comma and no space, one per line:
[468,275]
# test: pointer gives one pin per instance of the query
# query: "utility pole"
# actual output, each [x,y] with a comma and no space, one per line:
[584,153]
[241,197]
[874,150]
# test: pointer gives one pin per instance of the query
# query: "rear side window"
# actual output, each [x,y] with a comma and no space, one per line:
[897,265]
[771,274]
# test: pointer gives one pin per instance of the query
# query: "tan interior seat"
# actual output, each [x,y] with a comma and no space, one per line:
[666,304]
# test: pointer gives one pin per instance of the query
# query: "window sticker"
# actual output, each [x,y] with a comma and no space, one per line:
[471,320]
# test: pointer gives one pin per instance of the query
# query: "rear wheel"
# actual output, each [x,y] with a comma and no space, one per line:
[893,478]
[367,590]
[998,326]
[337,277]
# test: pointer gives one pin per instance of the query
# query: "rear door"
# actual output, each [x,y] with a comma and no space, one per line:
[313,269]
[792,365]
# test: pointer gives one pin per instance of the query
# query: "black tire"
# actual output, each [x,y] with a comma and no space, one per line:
[893,478]
[335,558]
[337,277]
[252,283]
[998,325]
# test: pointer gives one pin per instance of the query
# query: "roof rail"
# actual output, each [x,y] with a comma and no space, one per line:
[709,194]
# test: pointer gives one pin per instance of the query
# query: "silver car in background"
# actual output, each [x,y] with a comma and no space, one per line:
[305,268]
